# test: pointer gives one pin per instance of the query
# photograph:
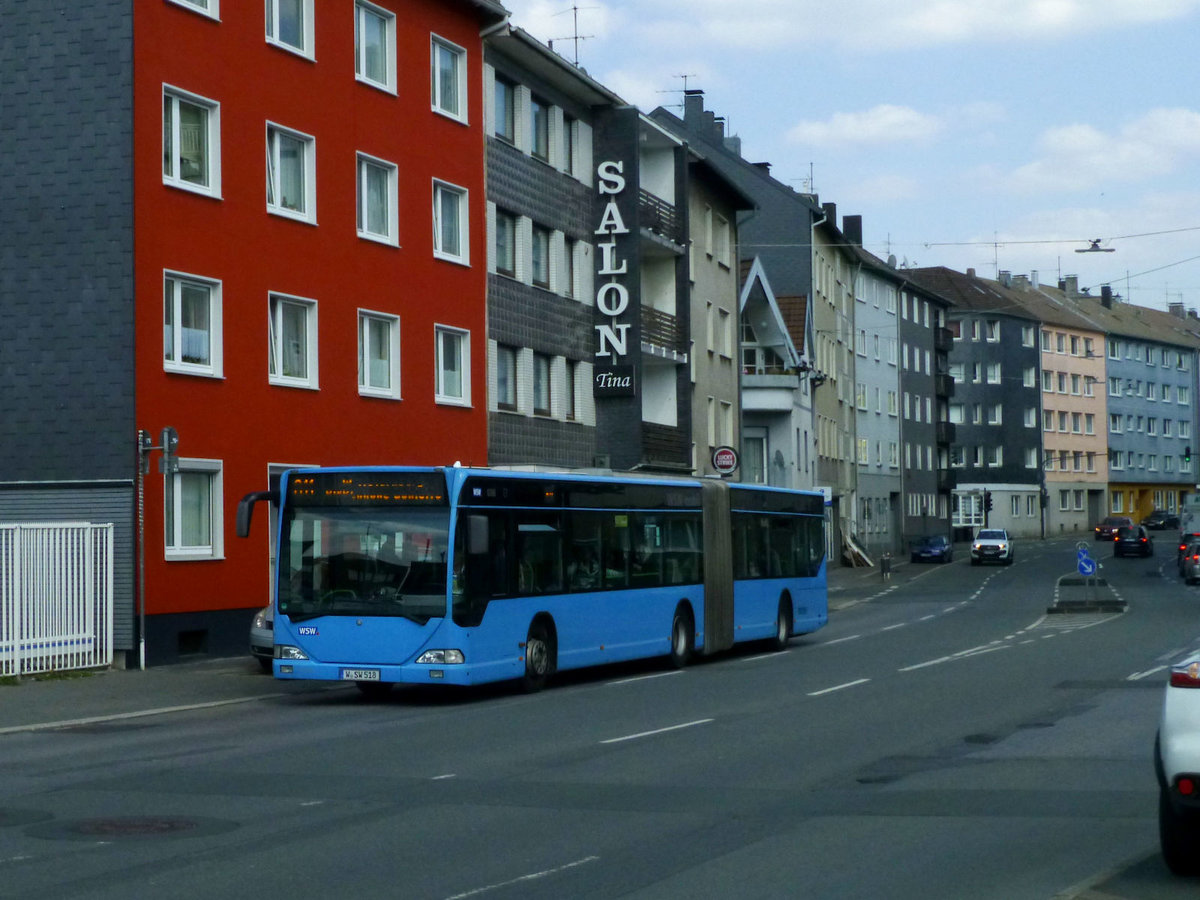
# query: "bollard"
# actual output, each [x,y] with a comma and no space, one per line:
[885,567]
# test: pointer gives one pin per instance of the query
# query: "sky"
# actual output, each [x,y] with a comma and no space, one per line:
[986,134]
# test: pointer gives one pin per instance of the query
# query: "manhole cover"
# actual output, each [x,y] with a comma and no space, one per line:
[116,828]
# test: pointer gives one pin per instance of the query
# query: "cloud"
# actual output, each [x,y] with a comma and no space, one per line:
[800,24]
[1079,156]
[883,124]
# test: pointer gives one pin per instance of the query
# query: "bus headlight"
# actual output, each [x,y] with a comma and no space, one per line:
[441,658]
[287,651]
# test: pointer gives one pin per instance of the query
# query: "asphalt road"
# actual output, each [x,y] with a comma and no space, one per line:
[941,737]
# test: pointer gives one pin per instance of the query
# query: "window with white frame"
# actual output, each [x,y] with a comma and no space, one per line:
[542,394]
[378,354]
[995,414]
[540,258]
[1182,394]
[290,25]
[450,231]
[570,137]
[506,243]
[993,373]
[1031,417]
[291,173]
[505,110]
[192,510]
[1028,335]
[293,341]
[191,142]
[449,79]
[570,404]
[506,377]
[1031,457]
[210,8]
[191,324]
[453,375]
[539,128]
[375,45]
[378,204]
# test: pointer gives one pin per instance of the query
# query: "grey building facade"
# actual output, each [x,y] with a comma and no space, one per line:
[67,445]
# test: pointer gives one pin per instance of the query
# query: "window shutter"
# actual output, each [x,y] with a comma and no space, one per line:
[521,125]
[525,381]
[491,236]
[586,401]
[492,392]
[558,247]
[557,148]
[585,277]
[489,100]
[583,152]
[524,260]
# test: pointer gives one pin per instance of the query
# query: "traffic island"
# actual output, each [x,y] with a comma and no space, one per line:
[1084,594]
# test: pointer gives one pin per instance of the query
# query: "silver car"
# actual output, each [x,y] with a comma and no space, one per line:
[1177,765]
[262,637]
[1189,562]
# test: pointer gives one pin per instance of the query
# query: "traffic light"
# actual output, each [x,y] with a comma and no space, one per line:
[1187,454]
[987,501]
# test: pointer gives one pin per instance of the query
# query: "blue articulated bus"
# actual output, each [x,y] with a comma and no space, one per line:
[466,575]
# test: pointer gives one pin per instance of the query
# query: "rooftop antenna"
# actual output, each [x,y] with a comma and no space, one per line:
[576,37]
[683,90]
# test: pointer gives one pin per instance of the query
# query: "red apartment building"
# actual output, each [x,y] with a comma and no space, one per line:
[289,224]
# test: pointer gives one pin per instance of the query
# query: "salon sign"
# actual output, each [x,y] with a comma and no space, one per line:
[613,371]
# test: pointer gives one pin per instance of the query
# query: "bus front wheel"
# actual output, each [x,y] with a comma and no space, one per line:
[681,638]
[783,624]
[539,658]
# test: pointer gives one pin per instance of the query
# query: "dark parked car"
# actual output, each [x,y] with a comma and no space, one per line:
[932,548]
[1160,519]
[1133,540]
[1107,529]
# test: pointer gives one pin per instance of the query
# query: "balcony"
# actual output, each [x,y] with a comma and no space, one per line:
[945,432]
[660,217]
[943,339]
[667,446]
[943,385]
[946,480]
[662,330]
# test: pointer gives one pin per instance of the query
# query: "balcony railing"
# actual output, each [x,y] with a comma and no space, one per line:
[662,329]
[660,217]
[945,432]
[943,339]
[666,444]
[943,385]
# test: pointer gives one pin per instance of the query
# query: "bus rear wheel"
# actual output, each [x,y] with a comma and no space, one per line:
[539,658]
[681,638]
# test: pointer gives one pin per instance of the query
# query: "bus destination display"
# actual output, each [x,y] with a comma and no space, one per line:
[365,488]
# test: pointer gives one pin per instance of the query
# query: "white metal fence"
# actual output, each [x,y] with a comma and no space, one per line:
[56,597]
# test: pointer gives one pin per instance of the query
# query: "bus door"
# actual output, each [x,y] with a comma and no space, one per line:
[718,568]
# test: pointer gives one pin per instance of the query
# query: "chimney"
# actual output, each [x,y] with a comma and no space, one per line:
[1021,282]
[1005,278]
[852,229]
[764,167]
[1192,314]
[830,213]
[1070,286]
[970,273]
[693,104]
[1106,298]
[733,144]
[1175,308]
[1034,281]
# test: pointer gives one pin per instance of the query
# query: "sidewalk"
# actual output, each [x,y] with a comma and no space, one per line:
[81,698]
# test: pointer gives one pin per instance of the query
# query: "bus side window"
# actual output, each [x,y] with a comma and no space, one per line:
[683,549]
[616,550]
[539,554]
[647,559]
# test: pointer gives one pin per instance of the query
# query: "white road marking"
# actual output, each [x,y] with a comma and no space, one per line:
[645,677]
[443,777]
[853,637]
[642,734]
[532,876]
[1138,676]
[840,687]
[140,714]
[894,627]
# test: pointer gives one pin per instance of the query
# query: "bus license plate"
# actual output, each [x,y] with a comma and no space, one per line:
[360,674]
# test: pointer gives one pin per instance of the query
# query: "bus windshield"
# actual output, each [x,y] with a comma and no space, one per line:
[363,561]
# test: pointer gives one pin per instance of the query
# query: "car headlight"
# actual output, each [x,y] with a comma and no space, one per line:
[287,651]
[262,619]
[978,547]
[441,658]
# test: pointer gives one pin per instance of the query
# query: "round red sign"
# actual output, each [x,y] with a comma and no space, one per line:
[725,460]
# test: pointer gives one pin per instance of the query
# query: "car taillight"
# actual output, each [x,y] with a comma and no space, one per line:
[1185,785]
[1186,676]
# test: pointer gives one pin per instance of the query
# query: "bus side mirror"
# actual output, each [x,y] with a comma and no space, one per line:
[245,509]
[477,534]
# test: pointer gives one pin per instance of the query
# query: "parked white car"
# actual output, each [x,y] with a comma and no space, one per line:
[992,544]
[1177,764]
